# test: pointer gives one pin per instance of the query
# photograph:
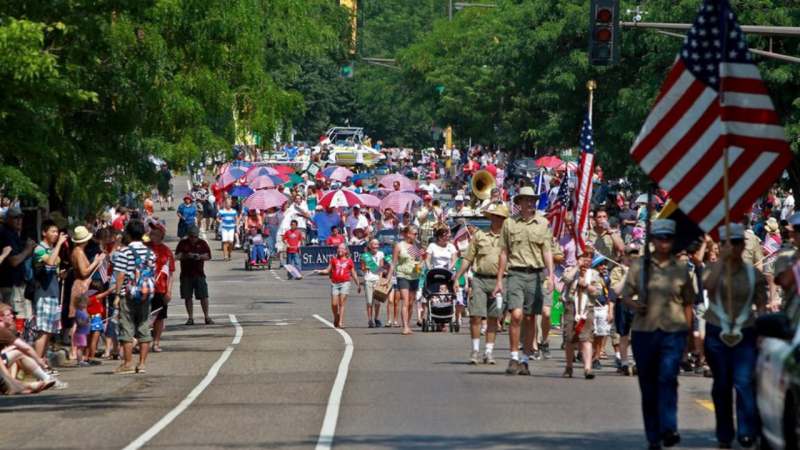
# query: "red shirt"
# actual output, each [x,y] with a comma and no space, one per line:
[117,223]
[95,306]
[341,269]
[293,238]
[191,268]
[335,240]
[164,257]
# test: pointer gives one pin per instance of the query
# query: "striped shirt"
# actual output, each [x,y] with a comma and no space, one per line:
[124,260]
[228,219]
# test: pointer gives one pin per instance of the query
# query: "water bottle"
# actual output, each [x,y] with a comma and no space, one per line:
[498,301]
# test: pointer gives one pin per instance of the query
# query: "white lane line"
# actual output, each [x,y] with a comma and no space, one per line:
[172,415]
[328,430]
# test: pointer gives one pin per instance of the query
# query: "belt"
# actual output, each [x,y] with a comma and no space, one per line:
[480,275]
[526,269]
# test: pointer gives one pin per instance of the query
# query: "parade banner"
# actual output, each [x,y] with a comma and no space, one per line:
[319,256]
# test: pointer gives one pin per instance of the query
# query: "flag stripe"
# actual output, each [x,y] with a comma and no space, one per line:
[701,155]
[743,85]
[739,114]
[707,183]
[745,100]
[687,143]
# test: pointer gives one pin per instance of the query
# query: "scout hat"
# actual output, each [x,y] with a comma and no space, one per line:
[526,191]
[663,227]
[737,232]
[81,235]
[499,210]
[597,260]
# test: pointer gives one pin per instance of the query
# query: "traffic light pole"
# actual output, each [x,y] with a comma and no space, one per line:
[760,30]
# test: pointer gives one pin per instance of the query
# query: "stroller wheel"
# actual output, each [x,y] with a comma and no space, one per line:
[457,327]
[269,263]
[452,327]
[424,325]
[246,265]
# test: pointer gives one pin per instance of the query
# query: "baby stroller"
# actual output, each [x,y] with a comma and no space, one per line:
[440,294]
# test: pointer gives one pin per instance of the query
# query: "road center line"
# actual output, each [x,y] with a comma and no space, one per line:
[328,430]
[172,415]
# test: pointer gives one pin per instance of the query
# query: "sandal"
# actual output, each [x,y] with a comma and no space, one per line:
[209,321]
[567,373]
[190,322]
[603,354]
[157,349]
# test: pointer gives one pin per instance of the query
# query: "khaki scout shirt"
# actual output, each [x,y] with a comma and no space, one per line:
[484,253]
[558,252]
[741,289]
[603,243]
[669,290]
[752,249]
[571,283]
[617,276]
[526,242]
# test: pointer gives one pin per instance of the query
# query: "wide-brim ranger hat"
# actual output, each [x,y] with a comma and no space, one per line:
[499,210]
[737,232]
[663,228]
[526,191]
[81,235]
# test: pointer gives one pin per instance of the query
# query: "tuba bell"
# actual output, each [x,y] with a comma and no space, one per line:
[482,184]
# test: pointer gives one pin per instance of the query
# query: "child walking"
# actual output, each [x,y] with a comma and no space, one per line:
[82,329]
[96,311]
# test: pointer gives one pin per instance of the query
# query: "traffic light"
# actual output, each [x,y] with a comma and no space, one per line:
[347,70]
[604,33]
[440,89]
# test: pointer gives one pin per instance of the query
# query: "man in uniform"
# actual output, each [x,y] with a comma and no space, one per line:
[753,254]
[660,332]
[525,252]
[603,238]
[483,256]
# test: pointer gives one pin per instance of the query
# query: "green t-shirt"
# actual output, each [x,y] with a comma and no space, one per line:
[462,280]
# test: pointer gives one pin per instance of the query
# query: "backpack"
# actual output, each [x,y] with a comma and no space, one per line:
[142,284]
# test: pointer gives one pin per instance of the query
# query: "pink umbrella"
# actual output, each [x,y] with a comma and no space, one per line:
[263,182]
[337,173]
[340,198]
[405,183]
[399,202]
[256,172]
[230,177]
[266,199]
[370,201]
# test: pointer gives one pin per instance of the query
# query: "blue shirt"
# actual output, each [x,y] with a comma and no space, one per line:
[325,222]
[228,219]
[189,213]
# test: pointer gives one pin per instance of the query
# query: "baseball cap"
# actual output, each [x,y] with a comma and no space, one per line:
[459,198]
[13,212]
[427,197]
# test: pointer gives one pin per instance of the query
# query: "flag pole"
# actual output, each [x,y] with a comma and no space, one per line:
[591,85]
[723,14]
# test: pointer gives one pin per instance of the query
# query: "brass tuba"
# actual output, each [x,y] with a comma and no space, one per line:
[482,184]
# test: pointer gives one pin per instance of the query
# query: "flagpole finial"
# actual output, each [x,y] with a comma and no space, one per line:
[591,85]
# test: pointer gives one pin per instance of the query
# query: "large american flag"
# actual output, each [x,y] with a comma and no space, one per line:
[583,192]
[713,98]
[557,210]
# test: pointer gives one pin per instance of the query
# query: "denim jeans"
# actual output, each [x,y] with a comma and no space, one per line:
[257,253]
[294,259]
[733,370]
[658,357]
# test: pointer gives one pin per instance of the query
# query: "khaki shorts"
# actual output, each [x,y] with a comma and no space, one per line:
[369,290]
[196,286]
[15,297]
[481,303]
[525,292]
[134,321]
[586,334]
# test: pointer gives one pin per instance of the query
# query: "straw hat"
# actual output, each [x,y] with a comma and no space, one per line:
[81,235]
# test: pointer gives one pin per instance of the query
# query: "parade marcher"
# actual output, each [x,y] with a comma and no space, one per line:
[187,215]
[372,263]
[605,240]
[406,262]
[583,288]
[227,221]
[659,332]
[623,316]
[341,270]
[603,311]
[541,348]
[483,257]
[495,200]
[164,186]
[165,268]
[731,339]
[753,254]
[525,253]
[193,252]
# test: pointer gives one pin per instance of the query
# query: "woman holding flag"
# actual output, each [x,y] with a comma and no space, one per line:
[407,261]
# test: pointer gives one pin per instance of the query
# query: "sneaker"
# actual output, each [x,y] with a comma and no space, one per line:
[537,355]
[124,370]
[140,368]
[253,263]
[52,372]
[625,370]
[60,385]
[371,325]
[523,369]
[513,367]
[94,362]
[474,357]
[617,362]
[596,365]
[488,358]
[588,374]
[83,364]
[567,373]
[378,324]
[545,347]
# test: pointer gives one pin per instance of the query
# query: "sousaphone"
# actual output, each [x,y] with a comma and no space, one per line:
[482,184]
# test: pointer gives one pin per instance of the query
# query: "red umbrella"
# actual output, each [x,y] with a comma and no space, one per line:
[285,170]
[399,202]
[266,199]
[405,183]
[340,198]
[370,201]
[549,161]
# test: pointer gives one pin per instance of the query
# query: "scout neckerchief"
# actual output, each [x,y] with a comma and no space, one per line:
[731,333]
[583,299]
[370,262]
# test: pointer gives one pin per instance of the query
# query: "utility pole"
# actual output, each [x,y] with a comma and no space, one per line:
[450,10]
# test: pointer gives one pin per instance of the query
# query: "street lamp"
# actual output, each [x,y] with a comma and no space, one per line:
[460,6]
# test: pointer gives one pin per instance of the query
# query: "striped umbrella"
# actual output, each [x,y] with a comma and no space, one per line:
[370,201]
[256,172]
[265,181]
[266,199]
[337,173]
[405,183]
[230,177]
[399,202]
[340,198]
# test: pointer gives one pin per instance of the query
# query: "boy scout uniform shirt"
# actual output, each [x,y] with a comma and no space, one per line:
[526,242]
[752,249]
[484,253]
[669,289]
[617,276]
[603,243]
[741,290]
[572,286]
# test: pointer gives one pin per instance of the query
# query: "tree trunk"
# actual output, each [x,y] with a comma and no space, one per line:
[794,175]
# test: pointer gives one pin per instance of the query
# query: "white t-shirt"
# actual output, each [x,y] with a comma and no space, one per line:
[370,275]
[441,257]
[354,222]
[788,206]
[456,155]
[359,152]
[430,188]
[292,213]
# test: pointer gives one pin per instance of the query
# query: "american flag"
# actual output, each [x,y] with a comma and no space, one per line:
[770,248]
[713,98]
[583,193]
[463,231]
[103,271]
[558,210]
[164,270]
[154,315]
[415,252]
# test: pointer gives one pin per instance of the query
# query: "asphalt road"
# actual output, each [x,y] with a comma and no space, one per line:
[273,387]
